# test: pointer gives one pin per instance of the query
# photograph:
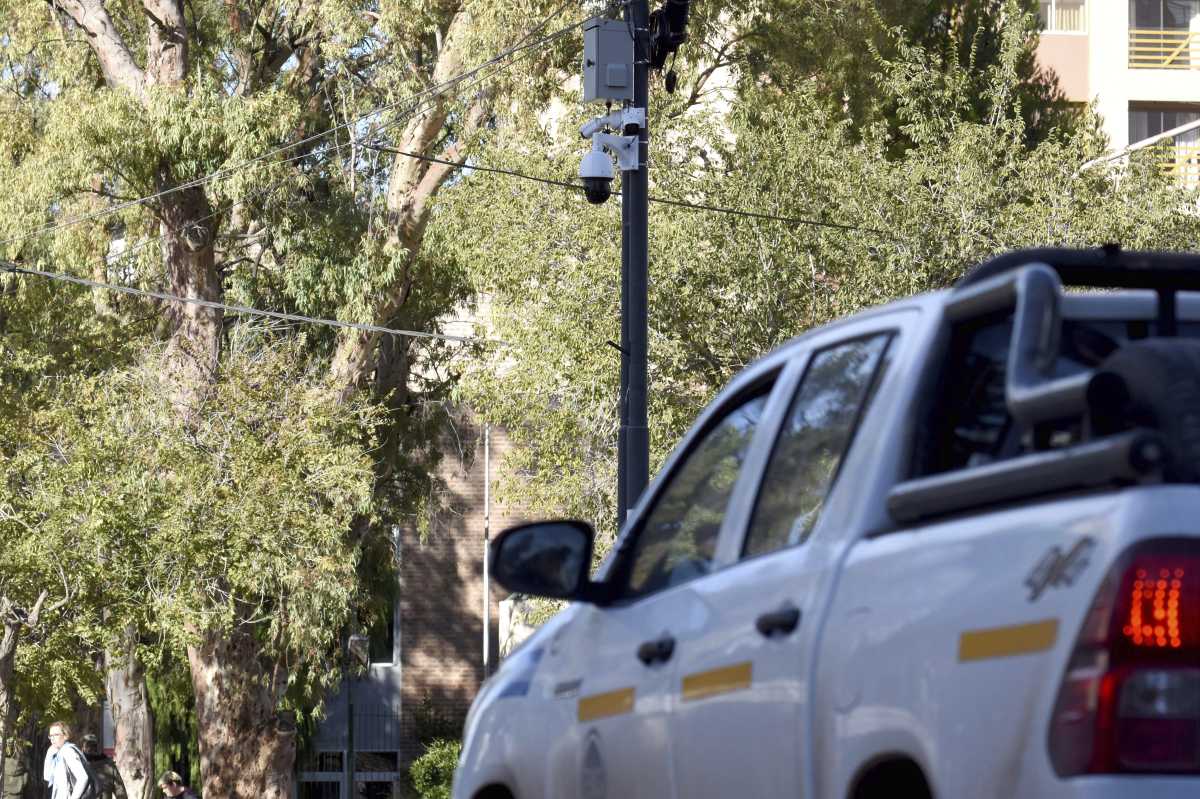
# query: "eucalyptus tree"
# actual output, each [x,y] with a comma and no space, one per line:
[274,145]
[858,221]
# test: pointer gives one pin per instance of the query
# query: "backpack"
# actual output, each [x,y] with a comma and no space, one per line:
[92,791]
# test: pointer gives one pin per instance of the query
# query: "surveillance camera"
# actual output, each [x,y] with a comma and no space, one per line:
[597,173]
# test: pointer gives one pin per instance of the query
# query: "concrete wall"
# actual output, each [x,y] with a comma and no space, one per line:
[1094,66]
[1066,55]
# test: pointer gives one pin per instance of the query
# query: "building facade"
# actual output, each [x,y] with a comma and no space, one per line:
[426,663]
[1139,61]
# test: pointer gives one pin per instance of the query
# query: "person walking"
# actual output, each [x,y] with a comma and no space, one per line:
[108,776]
[172,785]
[64,769]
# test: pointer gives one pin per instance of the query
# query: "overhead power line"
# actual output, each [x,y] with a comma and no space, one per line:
[16,269]
[791,220]
[430,92]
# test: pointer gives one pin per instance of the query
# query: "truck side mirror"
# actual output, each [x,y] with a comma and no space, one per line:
[548,559]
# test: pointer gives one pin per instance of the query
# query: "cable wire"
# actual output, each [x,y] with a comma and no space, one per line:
[793,220]
[13,268]
[17,269]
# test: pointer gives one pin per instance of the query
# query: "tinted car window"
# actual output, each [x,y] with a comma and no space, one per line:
[818,430]
[969,424]
[679,537]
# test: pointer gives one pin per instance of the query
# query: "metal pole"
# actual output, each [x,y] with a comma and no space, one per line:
[487,546]
[623,396]
[349,764]
[635,190]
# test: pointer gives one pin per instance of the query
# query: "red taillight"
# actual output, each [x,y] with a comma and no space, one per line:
[1130,699]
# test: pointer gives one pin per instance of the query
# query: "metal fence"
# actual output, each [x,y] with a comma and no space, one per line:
[1158,48]
[359,761]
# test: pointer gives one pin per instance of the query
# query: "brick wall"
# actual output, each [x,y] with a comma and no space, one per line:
[441,597]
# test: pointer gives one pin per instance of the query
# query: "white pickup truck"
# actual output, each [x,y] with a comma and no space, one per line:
[948,547]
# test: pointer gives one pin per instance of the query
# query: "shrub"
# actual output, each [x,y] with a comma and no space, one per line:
[433,771]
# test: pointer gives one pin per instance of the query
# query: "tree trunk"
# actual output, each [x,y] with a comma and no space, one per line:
[189,230]
[412,186]
[14,619]
[8,653]
[133,721]
[244,749]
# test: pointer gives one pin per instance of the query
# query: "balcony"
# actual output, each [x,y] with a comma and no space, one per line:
[1159,48]
[1180,159]
[1176,152]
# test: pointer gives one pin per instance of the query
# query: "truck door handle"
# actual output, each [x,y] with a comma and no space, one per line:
[657,651]
[778,622]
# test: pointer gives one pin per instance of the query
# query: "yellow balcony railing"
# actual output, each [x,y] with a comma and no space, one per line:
[1182,161]
[1153,48]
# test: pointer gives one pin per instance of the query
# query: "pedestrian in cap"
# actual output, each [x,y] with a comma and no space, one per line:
[172,785]
[107,774]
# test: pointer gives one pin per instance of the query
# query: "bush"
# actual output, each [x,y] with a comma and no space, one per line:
[433,771]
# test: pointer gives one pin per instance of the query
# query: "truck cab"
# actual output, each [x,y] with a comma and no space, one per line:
[944,547]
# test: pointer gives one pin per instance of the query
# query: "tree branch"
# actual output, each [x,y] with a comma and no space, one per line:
[116,62]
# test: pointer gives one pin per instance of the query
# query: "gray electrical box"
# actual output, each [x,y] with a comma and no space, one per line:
[607,60]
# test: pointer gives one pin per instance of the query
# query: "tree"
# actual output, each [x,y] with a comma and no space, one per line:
[236,527]
[869,224]
[838,47]
[114,101]
[48,588]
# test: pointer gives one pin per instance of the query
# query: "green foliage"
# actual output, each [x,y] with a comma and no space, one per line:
[243,518]
[432,722]
[174,712]
[837,48]
[881,222]
[275,508]
[433,772]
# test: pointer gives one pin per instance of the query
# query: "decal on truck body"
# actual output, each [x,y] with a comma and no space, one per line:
[611,703]
[1000,642]
[1057,568]
[717,681]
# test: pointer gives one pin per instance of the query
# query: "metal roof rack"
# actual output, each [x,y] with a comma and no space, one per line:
[1028,284]
[1105,267]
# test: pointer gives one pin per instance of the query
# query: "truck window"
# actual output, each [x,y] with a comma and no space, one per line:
[679,537]
[968,423]
[820,425]
[973,416]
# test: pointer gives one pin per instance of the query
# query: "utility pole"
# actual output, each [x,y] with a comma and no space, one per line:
[618,57]
[634,472]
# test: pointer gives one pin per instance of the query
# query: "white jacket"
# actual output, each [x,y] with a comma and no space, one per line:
[55,769]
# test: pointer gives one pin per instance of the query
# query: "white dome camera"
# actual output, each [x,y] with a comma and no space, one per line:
[597,173]
[597,169]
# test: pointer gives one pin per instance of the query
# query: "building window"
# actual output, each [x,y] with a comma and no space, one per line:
[320,790]
[1063,16]
[1178,155]
[376,762]
[1162,14]
[324,762]
[1164,33]
[1147,121]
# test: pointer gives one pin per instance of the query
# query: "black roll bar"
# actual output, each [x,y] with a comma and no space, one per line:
[1100,267]
[1106,267]
[1029,284]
